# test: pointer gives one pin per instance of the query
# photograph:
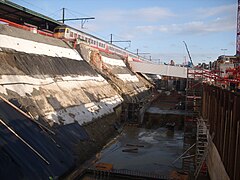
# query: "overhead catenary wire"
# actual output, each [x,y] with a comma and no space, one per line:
[75,24]
[76,13]
[33,5]
[54,14]
[44,10]
[94,33]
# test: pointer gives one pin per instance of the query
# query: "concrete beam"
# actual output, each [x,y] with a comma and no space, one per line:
[165,70]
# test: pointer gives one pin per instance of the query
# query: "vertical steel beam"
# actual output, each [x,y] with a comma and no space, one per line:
[221,108]
[232,143]
[237,154]
[238,31]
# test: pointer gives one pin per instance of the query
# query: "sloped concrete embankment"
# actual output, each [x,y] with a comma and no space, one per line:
[135,90]
[51,82]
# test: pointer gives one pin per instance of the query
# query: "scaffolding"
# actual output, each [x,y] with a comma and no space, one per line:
[195,127]
[201,147]
[193,106]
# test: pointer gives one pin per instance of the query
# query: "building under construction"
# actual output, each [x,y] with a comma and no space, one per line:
[65,94]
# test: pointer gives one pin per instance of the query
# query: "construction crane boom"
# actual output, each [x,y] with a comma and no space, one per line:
[190,58]
[238,30]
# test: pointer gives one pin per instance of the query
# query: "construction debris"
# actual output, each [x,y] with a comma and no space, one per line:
[176,175]
[135,145]
[104,166]
[131,150]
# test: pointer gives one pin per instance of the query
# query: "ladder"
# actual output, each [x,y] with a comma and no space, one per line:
[201,147]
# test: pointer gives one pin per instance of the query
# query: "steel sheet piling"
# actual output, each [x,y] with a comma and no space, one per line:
[220,107]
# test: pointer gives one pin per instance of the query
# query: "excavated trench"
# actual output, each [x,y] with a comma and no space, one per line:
[57,103]
[151,148]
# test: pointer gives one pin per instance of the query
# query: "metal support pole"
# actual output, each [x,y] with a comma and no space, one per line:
[111,38]
[63,15]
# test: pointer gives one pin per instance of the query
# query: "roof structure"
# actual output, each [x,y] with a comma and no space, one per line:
[21,15]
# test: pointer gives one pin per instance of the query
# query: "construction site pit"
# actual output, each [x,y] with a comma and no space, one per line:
[151,149]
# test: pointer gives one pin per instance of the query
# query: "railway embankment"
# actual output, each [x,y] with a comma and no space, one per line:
[57,105]
[134,88]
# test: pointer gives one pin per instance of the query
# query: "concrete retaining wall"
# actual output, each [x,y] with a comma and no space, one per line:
[164,70]
[215,165]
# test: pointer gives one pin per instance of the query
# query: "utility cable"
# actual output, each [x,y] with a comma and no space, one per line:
[33,5]
[55,13]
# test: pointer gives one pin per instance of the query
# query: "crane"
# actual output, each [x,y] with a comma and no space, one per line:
[190,64]
[238,31]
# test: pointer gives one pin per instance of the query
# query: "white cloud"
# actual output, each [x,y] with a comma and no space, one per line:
[193,27]
[150,14]
[201,27]
[158,24]
[108,18]
[181,58]
[134,22]
[216,11]
[123,22]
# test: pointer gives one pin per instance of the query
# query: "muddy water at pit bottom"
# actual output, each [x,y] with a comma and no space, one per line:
[161,148]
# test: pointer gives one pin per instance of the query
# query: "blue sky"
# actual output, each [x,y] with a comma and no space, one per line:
[158,27]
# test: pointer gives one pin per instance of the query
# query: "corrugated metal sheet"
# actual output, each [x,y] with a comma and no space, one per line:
[221,108]
[17,157]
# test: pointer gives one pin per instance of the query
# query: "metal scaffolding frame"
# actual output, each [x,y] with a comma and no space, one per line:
[193,106]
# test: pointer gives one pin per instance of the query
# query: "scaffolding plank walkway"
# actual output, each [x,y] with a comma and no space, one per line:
[127,173]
